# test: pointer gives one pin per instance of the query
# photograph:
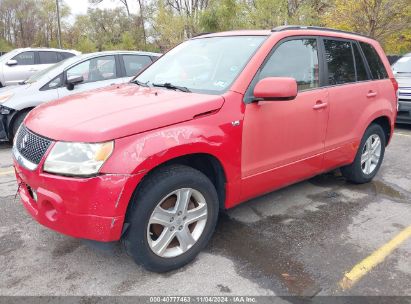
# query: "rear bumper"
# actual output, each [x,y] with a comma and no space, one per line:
[88,208]
[404,111]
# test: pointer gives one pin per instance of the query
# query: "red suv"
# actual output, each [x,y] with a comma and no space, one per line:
[218,120]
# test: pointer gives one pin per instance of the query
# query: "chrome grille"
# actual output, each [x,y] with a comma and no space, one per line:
[31,146]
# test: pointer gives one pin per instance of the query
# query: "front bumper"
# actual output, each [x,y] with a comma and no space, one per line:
[3,129]
[88,208]
[6,117]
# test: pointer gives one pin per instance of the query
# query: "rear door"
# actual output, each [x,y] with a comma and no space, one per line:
[46,59]
[24,68]
[351,93]
[133,64]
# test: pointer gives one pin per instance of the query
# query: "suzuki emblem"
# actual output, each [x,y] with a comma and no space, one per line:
[23,142]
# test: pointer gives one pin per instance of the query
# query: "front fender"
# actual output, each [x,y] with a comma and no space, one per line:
[139,154]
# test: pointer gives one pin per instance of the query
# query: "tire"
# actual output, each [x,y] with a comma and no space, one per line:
[365,165]
[16,123]
[159,191]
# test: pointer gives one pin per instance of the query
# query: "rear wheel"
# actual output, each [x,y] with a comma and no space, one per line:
[369,156]
[172,218]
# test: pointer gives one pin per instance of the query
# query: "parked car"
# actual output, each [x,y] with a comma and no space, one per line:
[20,64]
[216,121]
[402,72]
[74,75]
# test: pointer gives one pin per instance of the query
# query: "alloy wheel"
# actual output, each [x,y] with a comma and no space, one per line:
[177,222]
[371,154]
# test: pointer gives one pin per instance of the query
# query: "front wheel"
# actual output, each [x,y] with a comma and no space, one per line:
[369,156]
[172,218]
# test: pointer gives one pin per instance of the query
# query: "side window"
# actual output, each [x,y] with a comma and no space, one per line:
[340,62]
[377,68]
[96,69]
[53,84]
[67,55]
[48,57]
[25,58]
[359,65]
[297,59]
[134,64]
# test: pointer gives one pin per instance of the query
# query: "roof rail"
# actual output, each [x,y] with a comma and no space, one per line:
[201,34]
[316,28]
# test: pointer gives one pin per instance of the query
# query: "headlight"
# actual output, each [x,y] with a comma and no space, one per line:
[77,159]
[5,97]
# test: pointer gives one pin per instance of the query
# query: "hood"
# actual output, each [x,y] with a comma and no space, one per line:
[117,111]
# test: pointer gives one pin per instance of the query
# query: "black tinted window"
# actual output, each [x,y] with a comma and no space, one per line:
[377,68]
[48,57]
[67,55]
[297,59]
[135,64]
[25,58]
[359,64]
[340,62]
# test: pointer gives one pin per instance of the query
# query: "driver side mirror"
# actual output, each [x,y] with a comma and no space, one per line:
[12,62]
[72,81]
[275,89]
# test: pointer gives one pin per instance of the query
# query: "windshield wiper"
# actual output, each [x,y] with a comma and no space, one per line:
[170,86]
[140,83]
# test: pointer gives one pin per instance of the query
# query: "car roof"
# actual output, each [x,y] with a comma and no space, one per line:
[89,55]
[292,29]
[47,50]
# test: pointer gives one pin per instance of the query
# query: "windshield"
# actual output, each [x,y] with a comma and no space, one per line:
[206,65]
[403,65]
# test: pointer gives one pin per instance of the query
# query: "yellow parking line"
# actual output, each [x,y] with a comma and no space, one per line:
[6,172]
[402,134]
[374,259]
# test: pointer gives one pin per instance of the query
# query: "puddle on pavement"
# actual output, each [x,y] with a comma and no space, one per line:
[335,179]
[385,189]
[263,253]
[270,251]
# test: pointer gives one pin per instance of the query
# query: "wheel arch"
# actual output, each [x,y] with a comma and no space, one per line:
[13,118]
[206,163]
[385,123]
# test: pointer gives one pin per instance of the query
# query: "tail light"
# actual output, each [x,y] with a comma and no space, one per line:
[395,84]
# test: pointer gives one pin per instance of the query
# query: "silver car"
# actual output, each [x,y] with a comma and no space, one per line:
[73,75]
[402,72]
[20,64]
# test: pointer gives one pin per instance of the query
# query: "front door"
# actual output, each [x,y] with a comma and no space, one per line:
[283,141]
[97,73]
[24,68]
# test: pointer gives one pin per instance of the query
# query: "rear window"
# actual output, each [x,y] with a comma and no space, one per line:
[340,61]
[135,63]
[377,68]
[360,65]
[48,57]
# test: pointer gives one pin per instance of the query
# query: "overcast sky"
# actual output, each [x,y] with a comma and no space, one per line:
[80,6]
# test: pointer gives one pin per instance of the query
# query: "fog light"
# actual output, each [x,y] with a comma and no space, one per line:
[4,111]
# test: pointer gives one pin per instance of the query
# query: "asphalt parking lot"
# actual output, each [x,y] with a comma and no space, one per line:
[301,240]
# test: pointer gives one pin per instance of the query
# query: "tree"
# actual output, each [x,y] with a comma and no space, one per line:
[375,18]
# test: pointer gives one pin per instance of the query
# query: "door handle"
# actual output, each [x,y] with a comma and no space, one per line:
[371,94]
[320,105]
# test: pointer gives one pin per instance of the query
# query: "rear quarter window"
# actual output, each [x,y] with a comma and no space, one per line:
[377,68]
